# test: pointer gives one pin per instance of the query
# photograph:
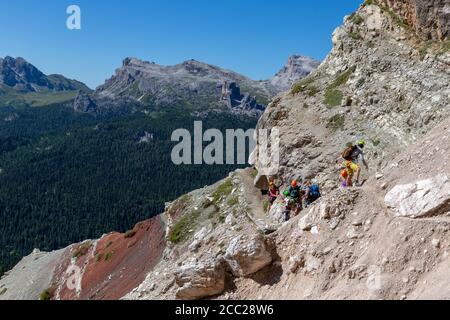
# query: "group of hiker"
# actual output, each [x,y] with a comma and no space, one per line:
[296,196]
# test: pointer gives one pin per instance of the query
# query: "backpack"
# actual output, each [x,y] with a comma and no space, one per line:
[314,192]
[347,153]
[294,193]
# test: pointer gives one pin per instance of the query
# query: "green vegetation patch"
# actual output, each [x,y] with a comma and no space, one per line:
[265,206]
[333,98]
[233,201]
[130,234]
[376,142]
[223,190]
[303,85]
[180,231]
[336,122]
[82,250]
[109,256]
[357,19]
[46,295]
[355,35]
[445,47]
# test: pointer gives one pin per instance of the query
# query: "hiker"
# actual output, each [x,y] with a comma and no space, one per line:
[358,157]
[274,192]
[287,207]
[355,154]
[295,194]
[312,193]
[348,173]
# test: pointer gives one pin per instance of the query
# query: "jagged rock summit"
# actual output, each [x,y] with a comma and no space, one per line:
[19,75]
[297,68]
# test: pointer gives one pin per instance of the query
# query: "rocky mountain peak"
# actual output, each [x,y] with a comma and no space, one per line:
[20,75]
[130,61]
[298,67]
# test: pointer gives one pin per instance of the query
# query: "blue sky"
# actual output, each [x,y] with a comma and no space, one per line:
[253,37]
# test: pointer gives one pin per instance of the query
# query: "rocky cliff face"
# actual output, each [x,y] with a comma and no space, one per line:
[429,19]
[389,239]
[380,83]
[19,75]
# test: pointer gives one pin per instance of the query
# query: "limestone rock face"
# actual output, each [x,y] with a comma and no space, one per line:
[245,257]
[197,281]
[429,18]
[420,199]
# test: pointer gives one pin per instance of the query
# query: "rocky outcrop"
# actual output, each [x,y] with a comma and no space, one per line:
[247,256]
[297,68]
[429,18]
[84,103]
[197,281]
[421,199]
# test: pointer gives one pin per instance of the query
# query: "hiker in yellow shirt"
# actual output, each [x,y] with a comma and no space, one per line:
[349,172]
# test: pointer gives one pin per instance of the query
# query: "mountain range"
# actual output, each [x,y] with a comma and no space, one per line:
[75,162]
[196,85]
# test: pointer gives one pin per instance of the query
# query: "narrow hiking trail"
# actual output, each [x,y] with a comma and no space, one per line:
[255,200]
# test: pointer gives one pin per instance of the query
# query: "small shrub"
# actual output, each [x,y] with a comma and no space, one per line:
[98,257]
[336,122]
[445,47]
[82,250]
[312,91]
[223,190]
[361,82]
[355,35]
[233,201]
[376,142]
[46,295]
[180,231]
[343,78]
[3,291]
[357,19]
[302,85]
[108,256]
[370,44]
[265,206]
[333,98]
[130,234]
[222,218]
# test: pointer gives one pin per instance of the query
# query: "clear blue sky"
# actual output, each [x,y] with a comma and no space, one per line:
[253,37]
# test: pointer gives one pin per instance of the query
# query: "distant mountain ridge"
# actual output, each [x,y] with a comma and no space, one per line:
[199,85]
[19,75]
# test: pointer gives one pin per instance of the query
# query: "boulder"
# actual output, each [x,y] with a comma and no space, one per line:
[200,280]
[246,257]
[420,199]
